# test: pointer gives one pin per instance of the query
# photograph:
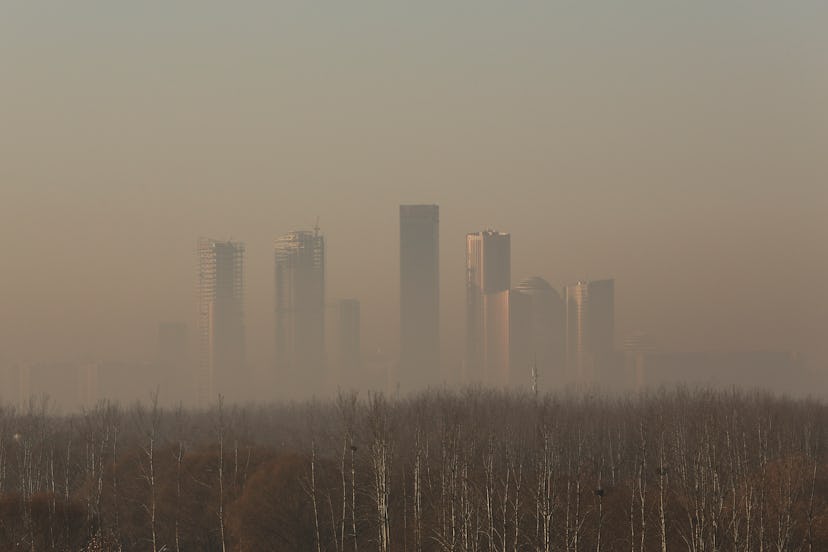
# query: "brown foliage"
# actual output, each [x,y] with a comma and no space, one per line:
[439,472]
[273,511]
[42,522]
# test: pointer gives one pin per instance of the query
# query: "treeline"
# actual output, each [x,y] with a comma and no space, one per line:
[476,470]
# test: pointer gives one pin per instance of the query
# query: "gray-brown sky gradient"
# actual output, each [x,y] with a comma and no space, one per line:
[680,148]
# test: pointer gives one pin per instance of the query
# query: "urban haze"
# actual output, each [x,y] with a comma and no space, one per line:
[545,245]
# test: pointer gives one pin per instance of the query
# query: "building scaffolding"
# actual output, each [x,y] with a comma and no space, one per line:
[300,303]
[220,289]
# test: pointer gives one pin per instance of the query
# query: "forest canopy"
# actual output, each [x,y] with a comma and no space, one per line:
[476,470]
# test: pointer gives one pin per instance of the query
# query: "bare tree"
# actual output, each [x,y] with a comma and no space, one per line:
[150,425]
[381,462]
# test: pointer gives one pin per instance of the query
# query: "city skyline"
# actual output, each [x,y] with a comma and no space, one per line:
[679,150]
[473,275]
[512,334]
[515,336]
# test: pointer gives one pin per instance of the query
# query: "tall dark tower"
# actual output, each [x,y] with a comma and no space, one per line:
[419,296]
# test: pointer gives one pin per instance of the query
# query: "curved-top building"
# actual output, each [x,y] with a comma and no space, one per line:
[537,334]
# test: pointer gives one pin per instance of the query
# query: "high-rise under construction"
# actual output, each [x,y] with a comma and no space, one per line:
[300,307]
[220,318]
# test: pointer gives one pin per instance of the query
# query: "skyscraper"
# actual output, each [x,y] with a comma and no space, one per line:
[536,329]
[590,329]
[300,307]
[220,317]
[488,276]
[419,296]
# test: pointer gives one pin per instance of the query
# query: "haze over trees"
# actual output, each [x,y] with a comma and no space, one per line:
[474,470]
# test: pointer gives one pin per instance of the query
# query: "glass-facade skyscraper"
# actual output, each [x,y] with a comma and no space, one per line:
[590,329]
[488,277]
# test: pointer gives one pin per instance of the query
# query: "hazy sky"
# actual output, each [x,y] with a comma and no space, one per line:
[681,148]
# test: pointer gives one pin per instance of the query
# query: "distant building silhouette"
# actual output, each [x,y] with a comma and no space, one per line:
[57,382]
[300,307]
[536,334]
[522,352]
[488,276]
[637,347]
[350,357]
[220,318]
[590,330]
[419,296]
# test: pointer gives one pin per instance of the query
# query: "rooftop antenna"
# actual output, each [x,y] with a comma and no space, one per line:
[316,227]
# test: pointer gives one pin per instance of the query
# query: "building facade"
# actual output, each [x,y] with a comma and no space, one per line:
[221,329]
[537,342]
[488,277]
[590,330]
[419,296]
[300,307]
